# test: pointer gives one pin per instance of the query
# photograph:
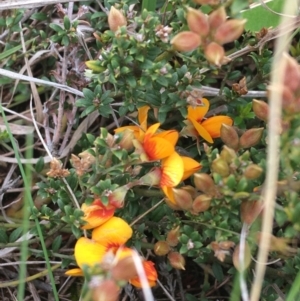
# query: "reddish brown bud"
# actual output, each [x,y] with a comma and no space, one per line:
[182,198]
[201,203]
[173,237]
[229,31]
[251,137]
[291,72]
[186,41]
[250,210]
[214,53]
[197,22]
[220,166]
[229,136]
[116,19]
[253,171]
[260,109]
[217,18]
[176,260]
[124,269]
[204,183]
[107,290]
[246,256]
[161,248]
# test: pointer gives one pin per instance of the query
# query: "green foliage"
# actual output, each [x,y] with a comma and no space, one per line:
[124,71]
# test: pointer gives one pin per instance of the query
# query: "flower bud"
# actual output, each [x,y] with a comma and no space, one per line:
[252,172]
[201,203]
[291,72]
[176,260]
[217,18]
[152,178]
[197,22]
[116,19]
[228,154]
[106,290]
[182,198]
[260,109]
[214,53]
[246,256]
[229,31]
[124,270]
[229,136]
[117,197]
[126,140]
[204,183]
[173,237]
[161,248]
[250,211]
[251,137]
[186,41]
[220,166]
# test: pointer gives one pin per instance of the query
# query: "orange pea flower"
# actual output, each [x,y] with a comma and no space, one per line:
[96,214]
[138,130]
[156,146]
[107,237]
[208,128]
[150,272]
[115,232]
[172,170]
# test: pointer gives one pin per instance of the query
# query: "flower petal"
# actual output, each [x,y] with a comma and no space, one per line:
[201,131]
[115,232]
[213,124]
[150,272]
[172,170]
[171,135]
[134,128]
[190,167]
[88,252]
[96,214]
[197,113]
[158,148]
[74,272]
[143,115]
[151,131]
[168,191]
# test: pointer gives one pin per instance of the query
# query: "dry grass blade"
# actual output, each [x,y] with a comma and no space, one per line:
[12,4]
[269,194]
[17,129]
[15,75]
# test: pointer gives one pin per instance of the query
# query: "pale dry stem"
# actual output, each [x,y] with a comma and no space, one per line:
[269,194]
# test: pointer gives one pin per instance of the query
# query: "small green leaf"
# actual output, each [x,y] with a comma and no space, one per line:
[67,23]
[56,243]
[40,165]
[56,28]
[14,235]
[3,236]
